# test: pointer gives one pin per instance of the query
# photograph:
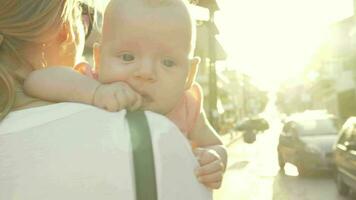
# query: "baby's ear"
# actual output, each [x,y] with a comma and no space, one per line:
[192,73]
[96,56]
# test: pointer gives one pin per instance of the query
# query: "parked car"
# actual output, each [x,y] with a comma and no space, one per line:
[306,141]
[345,158]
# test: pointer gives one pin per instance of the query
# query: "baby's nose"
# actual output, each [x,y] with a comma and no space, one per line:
[147,71]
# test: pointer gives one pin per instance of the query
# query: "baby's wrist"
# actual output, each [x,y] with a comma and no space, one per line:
[95,94]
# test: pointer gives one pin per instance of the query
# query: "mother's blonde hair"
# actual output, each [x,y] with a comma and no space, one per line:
[27,23]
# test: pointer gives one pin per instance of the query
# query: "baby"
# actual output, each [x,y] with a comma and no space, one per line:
[144,61]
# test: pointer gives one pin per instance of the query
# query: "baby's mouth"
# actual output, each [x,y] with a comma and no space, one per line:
[146,98]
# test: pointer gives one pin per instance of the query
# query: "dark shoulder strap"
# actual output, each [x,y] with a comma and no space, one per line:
[143,160]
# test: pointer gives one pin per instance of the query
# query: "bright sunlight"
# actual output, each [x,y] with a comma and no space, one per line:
[273,40]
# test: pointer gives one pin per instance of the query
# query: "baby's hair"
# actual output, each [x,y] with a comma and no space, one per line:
[164,2]
[168,3]
[176,3]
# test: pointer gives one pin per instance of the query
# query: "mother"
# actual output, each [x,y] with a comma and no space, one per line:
[68,150]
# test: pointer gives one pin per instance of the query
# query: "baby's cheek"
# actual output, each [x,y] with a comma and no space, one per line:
[171,102]
[103,77]
[169,106]
[110,75]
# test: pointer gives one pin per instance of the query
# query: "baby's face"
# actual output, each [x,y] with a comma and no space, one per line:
[149,50]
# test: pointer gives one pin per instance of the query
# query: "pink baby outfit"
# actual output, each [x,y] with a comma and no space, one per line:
[184,114]
[187,111]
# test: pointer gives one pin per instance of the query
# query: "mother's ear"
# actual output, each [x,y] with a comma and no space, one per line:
[64,39]
[96,56]
[64,34]
[192,73]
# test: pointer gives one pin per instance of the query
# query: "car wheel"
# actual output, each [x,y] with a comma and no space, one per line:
[281,162]
[302,171]
[342,188]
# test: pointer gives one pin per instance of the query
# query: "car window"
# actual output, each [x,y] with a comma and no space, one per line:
[317,127]
[352,138]
[345,135]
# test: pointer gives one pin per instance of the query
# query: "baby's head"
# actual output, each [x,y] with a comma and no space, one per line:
[148,44]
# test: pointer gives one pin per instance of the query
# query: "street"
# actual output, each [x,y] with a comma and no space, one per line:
[253,174]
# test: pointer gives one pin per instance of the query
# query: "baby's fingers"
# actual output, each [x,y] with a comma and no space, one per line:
[111,106]
[215,185]
[210,168]
[137,102]
[211,178]
[205,156]
[124,99]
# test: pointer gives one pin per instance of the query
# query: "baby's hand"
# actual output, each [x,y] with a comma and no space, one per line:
[211,170]
[116,96]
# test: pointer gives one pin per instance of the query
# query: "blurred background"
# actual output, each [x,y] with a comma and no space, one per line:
[279,84]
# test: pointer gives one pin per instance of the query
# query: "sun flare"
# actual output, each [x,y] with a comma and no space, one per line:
[274,40]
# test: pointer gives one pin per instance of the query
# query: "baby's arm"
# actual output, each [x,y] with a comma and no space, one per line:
[59,84]
[211,153]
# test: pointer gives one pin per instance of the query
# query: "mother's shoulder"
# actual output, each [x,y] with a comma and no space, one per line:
[68,113]
[89,151]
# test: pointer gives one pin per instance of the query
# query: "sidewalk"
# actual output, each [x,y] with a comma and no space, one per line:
[230,138]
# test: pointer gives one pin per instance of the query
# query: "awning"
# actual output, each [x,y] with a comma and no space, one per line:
[211,4]
[199,13]
[202,43]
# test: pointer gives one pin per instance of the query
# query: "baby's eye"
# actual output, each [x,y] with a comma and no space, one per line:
[127,57]
[168,62]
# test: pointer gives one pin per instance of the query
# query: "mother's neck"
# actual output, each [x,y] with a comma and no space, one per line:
[23,102]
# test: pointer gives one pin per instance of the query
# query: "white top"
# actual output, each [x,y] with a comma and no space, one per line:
[79,152]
